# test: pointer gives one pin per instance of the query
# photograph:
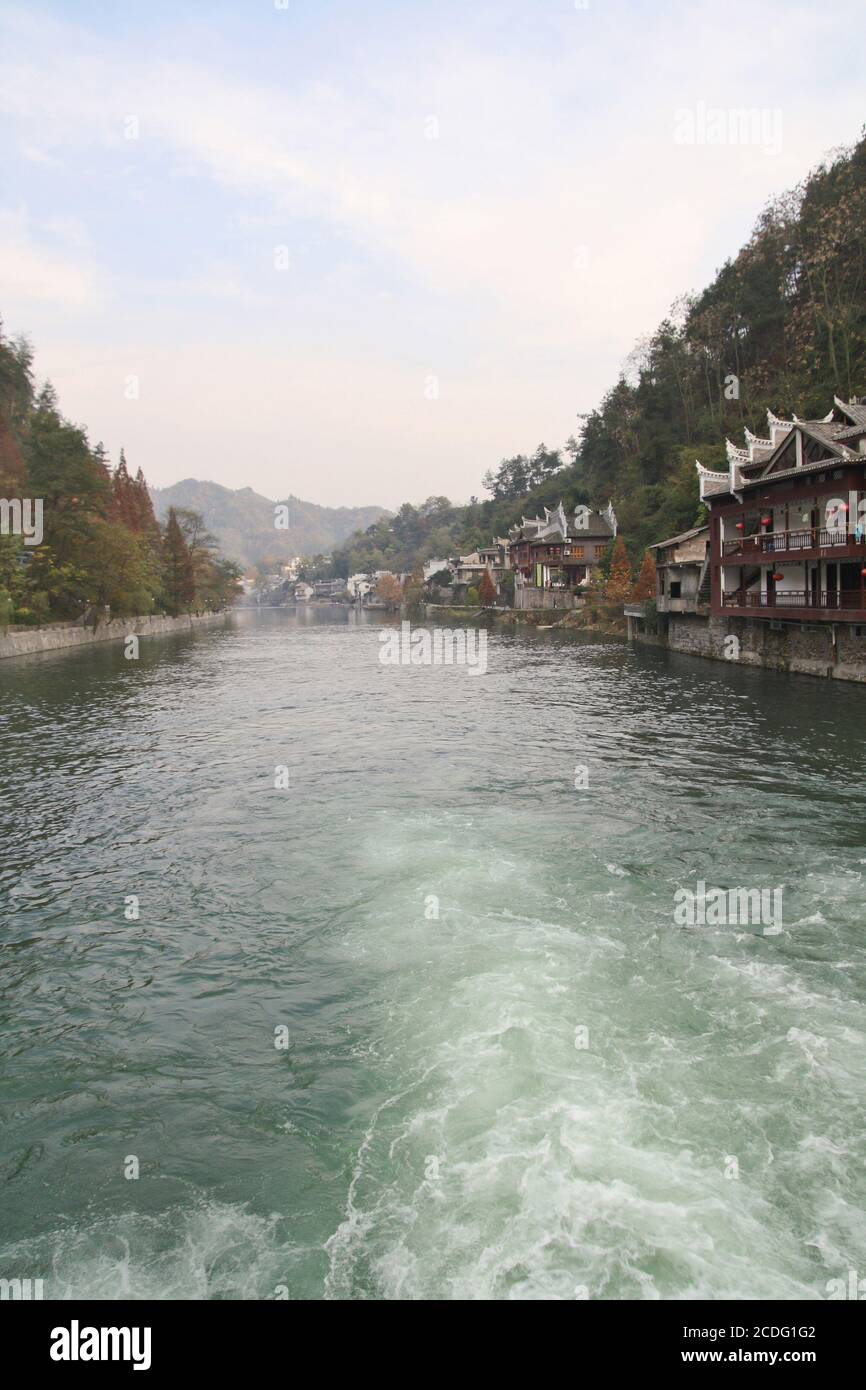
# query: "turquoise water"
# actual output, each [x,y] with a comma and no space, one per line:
[431,1130]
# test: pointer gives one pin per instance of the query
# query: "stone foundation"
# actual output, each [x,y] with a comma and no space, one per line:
[831,650]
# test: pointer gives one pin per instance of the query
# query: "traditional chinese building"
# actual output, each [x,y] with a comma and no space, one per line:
[557,553]
[788,521]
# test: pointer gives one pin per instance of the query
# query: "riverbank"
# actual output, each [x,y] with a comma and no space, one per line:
[607,621]
[53,637]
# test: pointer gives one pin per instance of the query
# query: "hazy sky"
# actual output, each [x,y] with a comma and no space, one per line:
[361,250]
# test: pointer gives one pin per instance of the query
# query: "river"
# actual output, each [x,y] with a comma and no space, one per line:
[421,1023]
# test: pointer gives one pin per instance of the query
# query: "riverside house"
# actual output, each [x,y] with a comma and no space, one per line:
[554,556]
[787,553]
[788,521]
[683,572]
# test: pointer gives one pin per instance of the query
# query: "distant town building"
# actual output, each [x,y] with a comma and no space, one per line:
[360,586]
[469,569]
[432,567]
[329,588]
[558,553]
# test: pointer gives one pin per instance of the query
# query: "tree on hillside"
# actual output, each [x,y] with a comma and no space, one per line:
[619,584]
[645,585]
[178,579]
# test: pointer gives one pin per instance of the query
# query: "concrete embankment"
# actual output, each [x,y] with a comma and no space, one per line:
[57,636]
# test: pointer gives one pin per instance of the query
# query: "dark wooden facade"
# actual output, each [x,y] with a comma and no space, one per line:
[788,526]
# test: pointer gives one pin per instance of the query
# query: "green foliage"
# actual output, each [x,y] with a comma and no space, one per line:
[472,596]
[101,547]
[124,575]
[178,574]
[516,476]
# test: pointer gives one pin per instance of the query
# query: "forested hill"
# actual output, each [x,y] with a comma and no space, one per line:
[243,520]
[782,326]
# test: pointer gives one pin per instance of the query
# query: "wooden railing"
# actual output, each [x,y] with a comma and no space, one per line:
[794,598]
[772,542]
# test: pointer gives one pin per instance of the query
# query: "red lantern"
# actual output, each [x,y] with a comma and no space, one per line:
[739,525]
[766,520]
[777,577]
[863,572]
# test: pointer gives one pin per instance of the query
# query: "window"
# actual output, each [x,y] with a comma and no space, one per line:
[599,551]
[676,587]
[577,552]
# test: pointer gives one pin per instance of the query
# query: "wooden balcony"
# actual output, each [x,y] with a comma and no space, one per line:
[846,605]
[810,543]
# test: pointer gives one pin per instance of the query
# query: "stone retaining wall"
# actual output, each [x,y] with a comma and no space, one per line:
[831,650]
[56,636]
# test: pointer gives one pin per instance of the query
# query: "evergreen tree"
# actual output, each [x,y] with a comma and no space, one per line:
[124,505]
[178,579]
[145,514]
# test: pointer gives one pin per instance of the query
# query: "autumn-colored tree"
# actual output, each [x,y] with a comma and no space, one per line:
[177,572]
[389,590]
[645,585]
[487,589]
[619,584]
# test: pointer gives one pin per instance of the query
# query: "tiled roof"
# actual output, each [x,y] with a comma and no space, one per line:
[679,540]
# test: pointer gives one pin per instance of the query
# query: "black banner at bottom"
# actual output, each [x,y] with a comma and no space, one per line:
[224,1337]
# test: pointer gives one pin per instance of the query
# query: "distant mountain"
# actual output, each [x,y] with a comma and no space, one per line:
[243,520]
